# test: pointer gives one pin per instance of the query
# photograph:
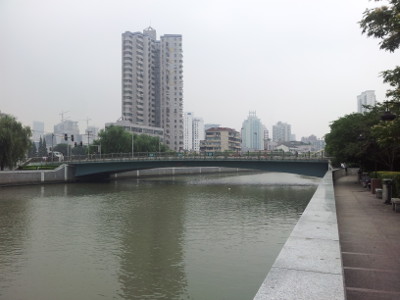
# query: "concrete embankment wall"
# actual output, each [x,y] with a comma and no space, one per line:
[63,173]
[309,265]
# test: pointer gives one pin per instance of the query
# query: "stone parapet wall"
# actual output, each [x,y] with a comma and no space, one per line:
[309,265]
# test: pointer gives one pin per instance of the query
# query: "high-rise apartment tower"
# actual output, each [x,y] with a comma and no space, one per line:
[366,98]
[281,132]
[252,133]
[152,83]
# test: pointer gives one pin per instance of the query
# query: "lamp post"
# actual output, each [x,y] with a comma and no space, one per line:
[133,146]
[52,146]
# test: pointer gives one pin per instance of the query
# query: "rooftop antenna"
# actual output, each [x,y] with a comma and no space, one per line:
[62,115]
[87,122]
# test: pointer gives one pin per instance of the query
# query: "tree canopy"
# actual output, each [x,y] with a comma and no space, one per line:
[384,23]
[14,141]
[115,139]
[368,140]
[365,140]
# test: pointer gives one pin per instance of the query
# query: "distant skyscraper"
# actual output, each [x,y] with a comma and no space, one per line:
[252,133]
[198,133]
[65,127]
[366,98]
[152,83]
[188,131]
[281,132]
[193,132]
[37,131]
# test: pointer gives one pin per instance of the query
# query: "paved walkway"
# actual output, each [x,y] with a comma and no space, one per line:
[369,234]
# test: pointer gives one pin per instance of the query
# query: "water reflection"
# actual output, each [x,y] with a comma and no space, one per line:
[151,257]
[188,237]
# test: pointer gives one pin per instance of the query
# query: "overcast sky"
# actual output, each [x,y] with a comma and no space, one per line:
[299,62]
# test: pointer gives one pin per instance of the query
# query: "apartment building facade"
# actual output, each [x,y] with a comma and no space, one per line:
[252,133]
[152,83]
[281,132]
[365,98]
[220,139]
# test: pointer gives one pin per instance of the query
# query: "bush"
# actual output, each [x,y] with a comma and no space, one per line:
[395,176]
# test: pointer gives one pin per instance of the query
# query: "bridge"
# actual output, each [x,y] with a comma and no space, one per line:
[103,167]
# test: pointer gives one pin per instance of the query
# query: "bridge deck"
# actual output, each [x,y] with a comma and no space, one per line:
[106,166]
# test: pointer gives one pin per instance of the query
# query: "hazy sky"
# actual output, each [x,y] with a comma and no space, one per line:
[300,62]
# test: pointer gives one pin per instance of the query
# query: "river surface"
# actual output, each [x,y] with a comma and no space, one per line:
[197,237]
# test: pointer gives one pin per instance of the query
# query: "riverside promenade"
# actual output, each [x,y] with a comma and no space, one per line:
[369,235]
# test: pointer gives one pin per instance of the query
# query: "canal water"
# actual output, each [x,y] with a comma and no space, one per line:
[198,237]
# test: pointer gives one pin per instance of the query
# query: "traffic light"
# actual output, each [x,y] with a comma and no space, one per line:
[65,137]
[75,144]
[72,137]
[81,143]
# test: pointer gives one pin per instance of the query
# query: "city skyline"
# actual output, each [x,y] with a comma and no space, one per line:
[288,61]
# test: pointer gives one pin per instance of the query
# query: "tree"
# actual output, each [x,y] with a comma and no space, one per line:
[146,143]
[32,150]
[384,23]
[63,148]
[42,149]
[14,141]
[114,139]
[365,140]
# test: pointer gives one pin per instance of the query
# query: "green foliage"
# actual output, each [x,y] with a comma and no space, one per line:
[350,139]
[115,139]
[42,150]
[79,150]
[63,148]
[32,151]
[39,167]
[383,23]
[146,143]
[365,140]
[14,141]
[392,77]
[395,176]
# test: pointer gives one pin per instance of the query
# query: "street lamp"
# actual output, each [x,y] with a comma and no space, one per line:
[132,145]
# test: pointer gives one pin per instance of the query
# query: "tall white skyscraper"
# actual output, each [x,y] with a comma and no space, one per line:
[366,98]
[152,83]
[198,133]
[188,131]
[281,132]
[193,132]
[252,133]
[37,131]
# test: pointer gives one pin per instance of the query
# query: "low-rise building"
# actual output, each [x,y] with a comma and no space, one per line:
[220,139]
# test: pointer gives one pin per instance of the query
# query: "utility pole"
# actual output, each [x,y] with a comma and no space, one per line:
[88,132]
